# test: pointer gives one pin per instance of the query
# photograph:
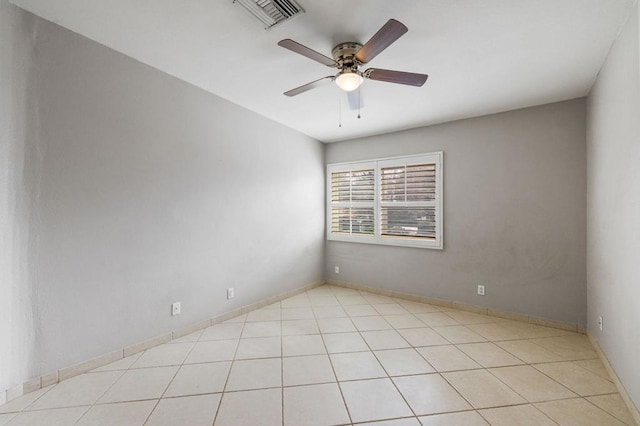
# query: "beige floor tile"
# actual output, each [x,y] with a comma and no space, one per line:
[495,331]
[489,355]
[329,312]
[464,418]
[471,318]
[390,309]
[571,347]
[517,415]
[5,418]
[614,405]
[121,364]
[239,319]
[356,366]
[346,300]
[54,417]
[577,412]
[344,342]
[532,331]
[299,327]
[377,298]
[222,332]
[360,310]
[430,394]
[417,308]
[336,325]
[335,289]
[376,399]
[408,421]
[402,362]
[385,339]
[482,389]
[436,319]
[296,313]
[195,379]
[24,401]
[447,358]
[532,384]
[595,366]
[212,351]
[457,334]
[144,383]
[423,336]
[262,329]
[189,338]
[84,389]
[529,352]
[307,370]
[311,344]
[259,347]
[314,405]
[164,355]
[191,410]
[579,380]
[403,321]
[265,314]
[275,305]
[371,323]
[265,408]
[255,374]
[300,301]
[324,301]
[121,414]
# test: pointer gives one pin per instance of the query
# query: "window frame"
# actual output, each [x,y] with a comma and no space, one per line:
[377,164]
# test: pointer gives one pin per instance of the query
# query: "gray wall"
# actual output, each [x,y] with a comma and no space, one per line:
[16,182]
[154,191]
[613,152]
[514,214]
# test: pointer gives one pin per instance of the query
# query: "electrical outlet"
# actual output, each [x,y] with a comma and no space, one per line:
[337,269]
[480,290]
[230,293]
[600,323]
[175,309]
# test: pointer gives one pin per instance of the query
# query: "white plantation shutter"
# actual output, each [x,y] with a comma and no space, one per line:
[393,201]
[352,201]
[408,200]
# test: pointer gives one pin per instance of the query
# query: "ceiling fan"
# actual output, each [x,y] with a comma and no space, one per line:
[348,57]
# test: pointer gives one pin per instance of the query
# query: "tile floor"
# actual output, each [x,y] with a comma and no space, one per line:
[335,356]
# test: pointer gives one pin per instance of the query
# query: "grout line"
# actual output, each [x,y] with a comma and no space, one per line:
[224,388]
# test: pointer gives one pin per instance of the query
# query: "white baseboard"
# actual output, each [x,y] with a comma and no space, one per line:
[635,413]
[99,361]
[463,307]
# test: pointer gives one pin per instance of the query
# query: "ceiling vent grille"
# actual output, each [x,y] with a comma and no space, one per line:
[271,12]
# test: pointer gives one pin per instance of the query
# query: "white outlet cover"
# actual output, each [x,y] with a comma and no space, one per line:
[230,293]
[337,269]
[175,308]
[481,290]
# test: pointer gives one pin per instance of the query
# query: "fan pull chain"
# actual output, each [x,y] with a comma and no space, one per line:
[339,111]
[359,102]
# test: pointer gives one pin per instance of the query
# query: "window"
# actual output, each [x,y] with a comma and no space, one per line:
[393,201]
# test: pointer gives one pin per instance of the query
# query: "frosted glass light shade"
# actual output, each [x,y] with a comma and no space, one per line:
[349,80]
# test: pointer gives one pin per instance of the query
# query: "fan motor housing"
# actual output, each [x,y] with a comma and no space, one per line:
[345,54]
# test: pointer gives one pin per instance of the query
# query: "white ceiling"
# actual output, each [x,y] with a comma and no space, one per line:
[482,56]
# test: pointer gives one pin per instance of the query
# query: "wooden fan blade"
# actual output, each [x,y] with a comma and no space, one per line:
[309,86]
[399,77]
[300,49]
[390,32]
[355,99]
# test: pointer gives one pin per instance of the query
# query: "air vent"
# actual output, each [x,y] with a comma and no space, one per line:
[271,12]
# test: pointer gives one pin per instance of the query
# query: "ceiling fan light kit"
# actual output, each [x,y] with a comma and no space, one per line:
[350,56]
[349,80]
